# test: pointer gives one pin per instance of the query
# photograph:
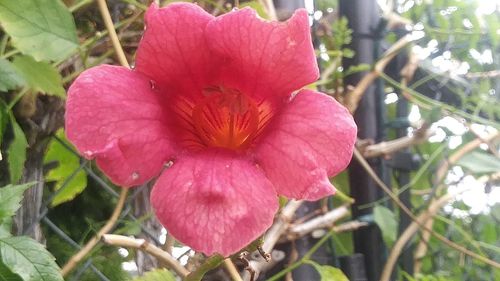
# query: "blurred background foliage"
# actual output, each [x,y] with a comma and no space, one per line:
[45,44]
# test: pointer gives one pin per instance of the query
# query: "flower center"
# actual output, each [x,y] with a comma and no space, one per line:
[226,118]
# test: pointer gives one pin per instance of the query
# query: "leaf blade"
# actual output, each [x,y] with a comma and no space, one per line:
[44,29]
[28,259]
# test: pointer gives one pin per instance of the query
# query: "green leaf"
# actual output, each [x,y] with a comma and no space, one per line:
[10,197]
[68,173]
[16,153]
[329,273]
[9,77]
[386,221]
[4,120]
[29,259]
[44,29]
[40,76]
[7,275]
[156,275]
[480,162]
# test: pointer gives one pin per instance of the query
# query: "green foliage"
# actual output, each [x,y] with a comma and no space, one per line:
[387,222]
[16,153]
[7,275]
[43,29]
[68,172]
[329,273]
[10,197]
[40,76]
[156,275]
[480,162]
[28,259]
[9,77]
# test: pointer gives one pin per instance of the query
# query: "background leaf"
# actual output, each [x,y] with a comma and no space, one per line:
[40,76]
[386,221]
[157,275]
[480,162]
[44,29]
[29,259]
[7,275]
[9,77]
[329,273]
[10,197]
[67,173]
[16,153]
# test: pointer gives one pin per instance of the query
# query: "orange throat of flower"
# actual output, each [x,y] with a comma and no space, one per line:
[227,119]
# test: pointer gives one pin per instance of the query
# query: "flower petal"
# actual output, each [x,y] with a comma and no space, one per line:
[173,51]
[215,201]
[312,139]
[264,58]
[113,115]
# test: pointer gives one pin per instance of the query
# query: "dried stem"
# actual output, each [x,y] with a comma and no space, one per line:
[274,233]
[141,244]
[108,22]
[389,147]
[354,96]
[75,259]
[324,221]
[232,270]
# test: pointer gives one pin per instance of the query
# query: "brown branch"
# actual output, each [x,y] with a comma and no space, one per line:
[488,74]
[324,221]
[354,96]
[108,22]
[270,9]
[232,270]
[273,235]
[389,147]
[143,245]
[75,259]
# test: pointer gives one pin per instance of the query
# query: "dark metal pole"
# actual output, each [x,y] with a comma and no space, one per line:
[363,20]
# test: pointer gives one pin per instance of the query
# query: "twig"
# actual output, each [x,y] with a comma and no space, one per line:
[389,147]
[487,74]
[75,259]
[270,9]
[354,96]
[108,22]
[141,244]
[326,220]
[274,233]
[232,270]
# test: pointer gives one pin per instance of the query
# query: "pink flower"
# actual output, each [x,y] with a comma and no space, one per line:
[214,96]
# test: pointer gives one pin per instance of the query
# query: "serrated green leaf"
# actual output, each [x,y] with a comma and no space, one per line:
[40,76]
[329,273]
[7,275]
[480,162]
[156,275]
[16,153]
[386,221]
[4,120]
[29,259]
[9,77]
[67,173]
[10,196]
[44,29]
